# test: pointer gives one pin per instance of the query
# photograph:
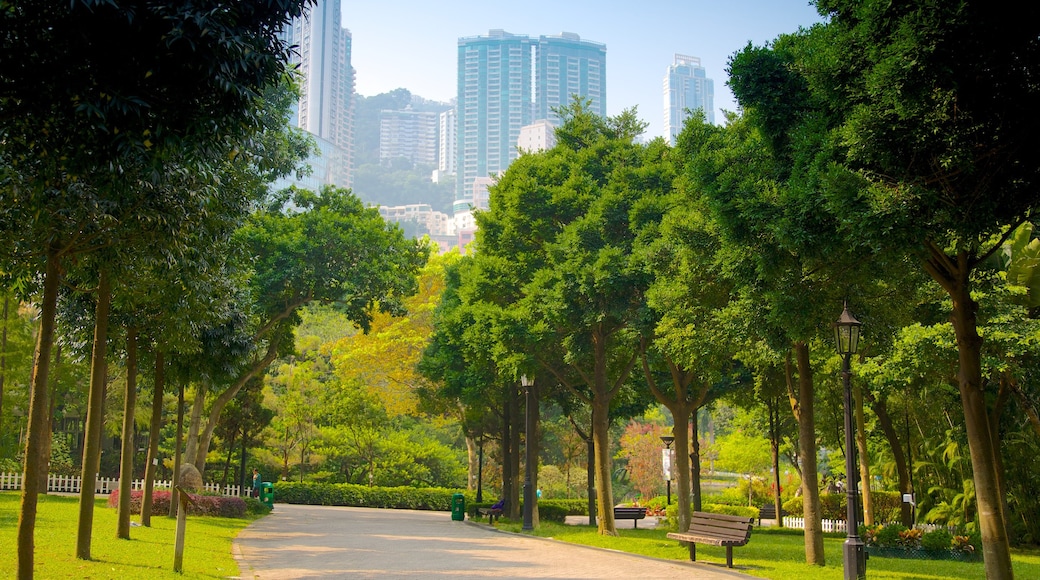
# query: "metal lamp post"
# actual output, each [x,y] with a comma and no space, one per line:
[529,456]
[667,439]
[846,338]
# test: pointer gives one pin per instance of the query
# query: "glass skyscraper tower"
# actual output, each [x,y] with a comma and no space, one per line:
[568,65]
[326,107]
[494,101]
[507,81]
[686,89]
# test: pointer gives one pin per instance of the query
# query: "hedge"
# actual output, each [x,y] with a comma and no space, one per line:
[202,505]
[349,494]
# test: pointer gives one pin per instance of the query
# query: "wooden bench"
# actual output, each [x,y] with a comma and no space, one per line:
[716,530]
[491,513]
[768,512]
[630,513]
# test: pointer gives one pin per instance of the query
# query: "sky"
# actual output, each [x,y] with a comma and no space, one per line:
[413,44]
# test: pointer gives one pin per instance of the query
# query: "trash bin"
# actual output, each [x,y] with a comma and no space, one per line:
[458,507]
[267,494]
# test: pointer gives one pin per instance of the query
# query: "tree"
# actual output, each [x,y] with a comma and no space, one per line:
[74,117]
[927,102]
[330,249]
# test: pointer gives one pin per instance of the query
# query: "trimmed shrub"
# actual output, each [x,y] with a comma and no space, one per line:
[937,539]
[732,510]
[349,494]
[202,505]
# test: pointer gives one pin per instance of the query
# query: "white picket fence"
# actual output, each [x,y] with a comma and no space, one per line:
[103,485]
[828,525]
[839,525]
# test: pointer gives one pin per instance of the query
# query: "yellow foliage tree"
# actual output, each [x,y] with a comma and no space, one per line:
[385,358]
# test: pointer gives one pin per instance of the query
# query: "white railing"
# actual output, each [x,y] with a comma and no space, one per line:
[828,525]
[103,485]
[839,525]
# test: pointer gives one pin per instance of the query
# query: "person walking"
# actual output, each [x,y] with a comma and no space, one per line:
[256,483]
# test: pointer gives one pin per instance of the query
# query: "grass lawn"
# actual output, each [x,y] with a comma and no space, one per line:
[148,554]
[776,553]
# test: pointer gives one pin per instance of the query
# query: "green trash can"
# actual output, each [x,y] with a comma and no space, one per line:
[458,507]
[267,494]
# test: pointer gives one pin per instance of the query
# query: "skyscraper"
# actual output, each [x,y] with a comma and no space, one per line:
[567,65]
[409,134]
[686,89]
[446,159]
[494,101]
[326,107]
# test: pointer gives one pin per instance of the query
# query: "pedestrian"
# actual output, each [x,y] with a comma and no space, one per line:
[256,483]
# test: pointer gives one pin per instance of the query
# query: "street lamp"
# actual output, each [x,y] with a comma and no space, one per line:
[846,339]
[529,450]
[667,463]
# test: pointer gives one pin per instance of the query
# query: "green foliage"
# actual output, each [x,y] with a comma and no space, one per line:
[348,494]
[937,539]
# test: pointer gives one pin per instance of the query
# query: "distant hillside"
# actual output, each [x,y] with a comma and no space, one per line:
[399,182]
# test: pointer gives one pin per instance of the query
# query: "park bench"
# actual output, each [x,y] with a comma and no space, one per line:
[630,513]
[768,512]
[491,513]
[716,530]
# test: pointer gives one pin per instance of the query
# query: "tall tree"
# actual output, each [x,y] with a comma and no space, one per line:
[89,88]
[926,104]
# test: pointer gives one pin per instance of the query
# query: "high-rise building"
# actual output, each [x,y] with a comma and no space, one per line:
[326,107]
[447,143]
[494,101]
[686,89]
[408,134]
[566,66]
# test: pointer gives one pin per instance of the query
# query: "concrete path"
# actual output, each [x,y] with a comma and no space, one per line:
[340,542]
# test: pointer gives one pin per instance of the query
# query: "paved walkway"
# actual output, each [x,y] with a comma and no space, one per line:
[341,542]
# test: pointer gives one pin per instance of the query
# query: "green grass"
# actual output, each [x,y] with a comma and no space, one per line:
[776,553]
[148,554]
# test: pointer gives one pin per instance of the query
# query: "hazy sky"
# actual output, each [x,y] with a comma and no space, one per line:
[414,44]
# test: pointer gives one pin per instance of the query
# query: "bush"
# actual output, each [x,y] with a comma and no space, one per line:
[938,539]
[349,494]
[732,510]
[571,507]
[202,504]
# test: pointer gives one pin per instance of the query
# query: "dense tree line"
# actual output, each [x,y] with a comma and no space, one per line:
[880,159]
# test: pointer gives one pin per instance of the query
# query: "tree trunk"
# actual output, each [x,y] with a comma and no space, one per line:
[471,462]
[95,416]
[590,473]
[38,408]
[773,405]
[516,420]
[151,463]
[534,440]
[954,275]
[192,452]
[48,442]
[804,414]
[880,408]
[864,458]
[3,364]
[204,433]
[681,432]
[604,485]
[179,441]
[695,461]
[506,451]
[126,458]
